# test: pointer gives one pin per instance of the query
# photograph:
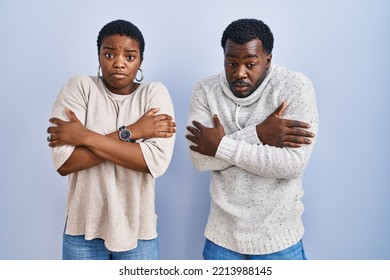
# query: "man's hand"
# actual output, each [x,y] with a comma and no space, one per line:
[278,132]
[206,139]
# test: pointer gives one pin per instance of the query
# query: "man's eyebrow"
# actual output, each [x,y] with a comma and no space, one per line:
[251,56]
[247,56]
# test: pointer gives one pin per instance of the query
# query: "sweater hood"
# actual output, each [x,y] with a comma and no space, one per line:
[254,97]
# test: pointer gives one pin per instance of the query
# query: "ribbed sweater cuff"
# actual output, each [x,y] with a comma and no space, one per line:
[226,148]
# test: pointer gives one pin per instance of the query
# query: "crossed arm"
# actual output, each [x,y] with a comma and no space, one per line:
[250,152]
[274,131]
[92,148]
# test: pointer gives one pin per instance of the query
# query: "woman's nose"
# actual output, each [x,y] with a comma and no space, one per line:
[119,62]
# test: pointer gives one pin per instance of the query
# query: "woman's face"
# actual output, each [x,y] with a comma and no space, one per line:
[120,60]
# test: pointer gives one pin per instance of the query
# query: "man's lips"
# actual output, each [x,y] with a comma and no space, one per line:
[240,84]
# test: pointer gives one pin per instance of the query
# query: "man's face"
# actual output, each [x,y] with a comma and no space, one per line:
[245,66]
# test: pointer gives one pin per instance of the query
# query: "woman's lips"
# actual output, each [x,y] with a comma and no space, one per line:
[119,75]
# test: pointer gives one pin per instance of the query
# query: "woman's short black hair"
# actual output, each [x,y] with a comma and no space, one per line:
[121,27]
[244,30]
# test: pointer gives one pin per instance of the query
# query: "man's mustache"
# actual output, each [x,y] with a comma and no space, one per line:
[241,84]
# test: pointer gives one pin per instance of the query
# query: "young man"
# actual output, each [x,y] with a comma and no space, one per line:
[256,159]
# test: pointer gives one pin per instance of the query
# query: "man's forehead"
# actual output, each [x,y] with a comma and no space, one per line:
[251,47]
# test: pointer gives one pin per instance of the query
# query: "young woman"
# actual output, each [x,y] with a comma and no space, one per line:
[113,136]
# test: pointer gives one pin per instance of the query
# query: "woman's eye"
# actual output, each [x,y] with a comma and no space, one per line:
[109,55]
[130,57]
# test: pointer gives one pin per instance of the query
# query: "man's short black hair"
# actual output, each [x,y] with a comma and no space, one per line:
[122,27]
[244,30]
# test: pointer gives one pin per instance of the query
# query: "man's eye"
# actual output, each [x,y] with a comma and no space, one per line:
[231,64]
[251,65]
[109,55]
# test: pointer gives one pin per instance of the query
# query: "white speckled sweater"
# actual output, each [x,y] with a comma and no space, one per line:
[255,189]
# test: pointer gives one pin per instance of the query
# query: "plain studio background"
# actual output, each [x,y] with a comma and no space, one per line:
[343,46]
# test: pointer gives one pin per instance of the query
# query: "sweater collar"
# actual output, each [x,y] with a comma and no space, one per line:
[254,97]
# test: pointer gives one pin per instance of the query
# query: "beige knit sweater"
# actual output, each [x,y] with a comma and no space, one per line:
[108,201]
[255,189]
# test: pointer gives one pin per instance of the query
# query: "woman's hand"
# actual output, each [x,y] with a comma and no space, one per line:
[151,125]
[67,133]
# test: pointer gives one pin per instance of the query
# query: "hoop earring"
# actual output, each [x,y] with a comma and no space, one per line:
[142,76]
[98,73]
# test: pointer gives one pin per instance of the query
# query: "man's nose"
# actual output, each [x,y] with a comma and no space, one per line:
[240,72]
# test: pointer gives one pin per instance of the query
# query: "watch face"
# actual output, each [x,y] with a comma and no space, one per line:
[125,134]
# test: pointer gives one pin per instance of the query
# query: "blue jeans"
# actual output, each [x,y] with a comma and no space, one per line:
[213,251]
[77,248]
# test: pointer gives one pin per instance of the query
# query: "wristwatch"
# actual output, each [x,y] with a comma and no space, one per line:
[125,134]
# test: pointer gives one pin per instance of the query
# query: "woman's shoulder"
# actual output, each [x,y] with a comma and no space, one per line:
[80,87]
[153,88]
[154,85]
[82,80]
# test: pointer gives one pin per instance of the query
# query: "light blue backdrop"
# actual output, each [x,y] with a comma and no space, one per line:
[343,46]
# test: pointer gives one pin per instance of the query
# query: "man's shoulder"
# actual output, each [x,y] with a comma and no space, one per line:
[287,76]
[212,79]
